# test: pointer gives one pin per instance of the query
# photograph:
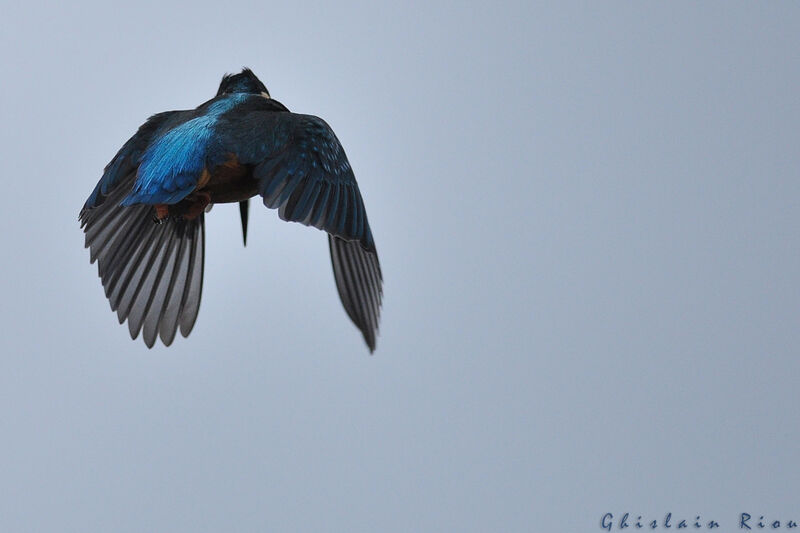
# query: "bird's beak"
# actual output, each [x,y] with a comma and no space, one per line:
[244,206]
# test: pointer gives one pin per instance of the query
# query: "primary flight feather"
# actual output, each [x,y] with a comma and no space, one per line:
[145,219]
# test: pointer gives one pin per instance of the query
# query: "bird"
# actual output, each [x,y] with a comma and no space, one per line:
[144,222]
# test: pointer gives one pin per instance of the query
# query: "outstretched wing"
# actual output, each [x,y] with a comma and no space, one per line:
[302,171]
[152,273]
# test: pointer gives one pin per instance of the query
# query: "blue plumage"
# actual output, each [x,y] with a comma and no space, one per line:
[128,157]
[237,145]
[172,165]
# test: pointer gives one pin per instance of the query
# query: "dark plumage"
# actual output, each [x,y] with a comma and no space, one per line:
[144,221]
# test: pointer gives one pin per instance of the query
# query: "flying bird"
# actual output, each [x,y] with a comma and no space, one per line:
[145,219]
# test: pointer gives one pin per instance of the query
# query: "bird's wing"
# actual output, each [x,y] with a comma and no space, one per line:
[128,158]
[152,273]
[302,171]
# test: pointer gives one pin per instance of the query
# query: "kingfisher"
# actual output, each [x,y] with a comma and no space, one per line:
[144,222]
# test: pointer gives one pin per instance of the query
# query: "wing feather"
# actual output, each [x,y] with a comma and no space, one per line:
[302,170]
[168,324]
[194,287]
[359,283]
[152,273]
[148,275]
[160,292]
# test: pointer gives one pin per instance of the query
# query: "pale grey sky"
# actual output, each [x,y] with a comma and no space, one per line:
[587,217]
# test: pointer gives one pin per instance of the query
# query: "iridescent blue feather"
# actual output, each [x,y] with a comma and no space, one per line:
[173,163]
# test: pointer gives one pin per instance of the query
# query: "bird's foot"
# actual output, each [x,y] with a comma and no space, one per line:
[162,212]
[189,208]
[197,206]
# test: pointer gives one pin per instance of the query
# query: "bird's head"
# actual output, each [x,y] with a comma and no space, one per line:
[244,82]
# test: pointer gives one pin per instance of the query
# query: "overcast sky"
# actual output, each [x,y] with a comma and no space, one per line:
[588,219]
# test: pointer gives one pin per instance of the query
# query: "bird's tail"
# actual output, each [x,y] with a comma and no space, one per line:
[152,272]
